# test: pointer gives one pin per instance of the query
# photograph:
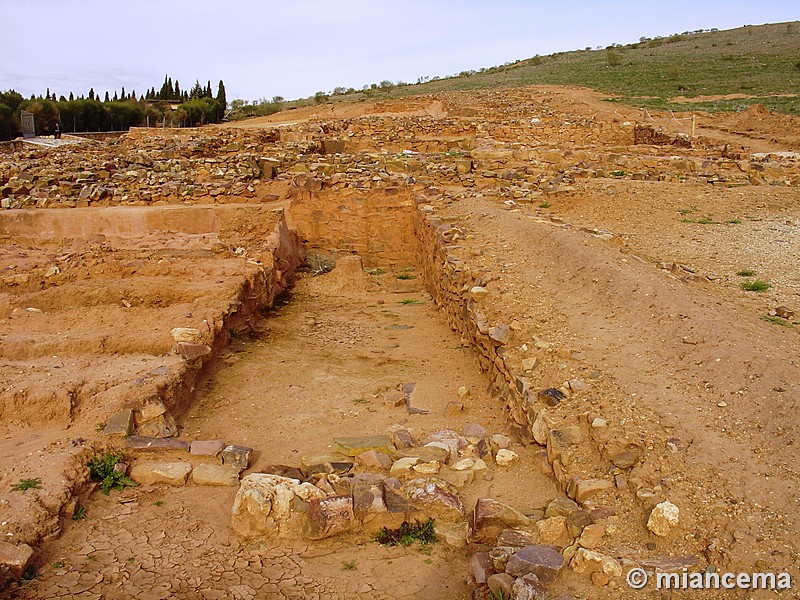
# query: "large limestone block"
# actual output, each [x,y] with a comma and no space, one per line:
[264,505]
[170,473]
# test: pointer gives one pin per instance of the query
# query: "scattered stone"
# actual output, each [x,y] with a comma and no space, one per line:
[590,561]
[403,439]
[453,409]
[528,587]
[207,447]
[434,495]
[500,585]
[353,446]
[463,393]
[530,363]
[501,441]
[587,488]
[426,453]
[151,410]
[186,334]
[330,516]
[457,478]
[490,517]
[543,561]
[550,396]
[577,521]
[481,567]
[553,531]
[372,459]
[403,466]
[463,464]
[328,462]
[170,473]
[191,352]
[14,561]
[478,293]
[505,458]
[475,432]
[627,458]
[427,468]
[500,334]
[784,312]
[263,506]
[163,426]
[120,423]
[560,506]
[663,518]
[284,471]
[599,423]
[592,536]
[206,474]
[238,456]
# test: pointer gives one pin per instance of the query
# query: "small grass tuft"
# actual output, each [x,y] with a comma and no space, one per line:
[27,484]
[57,565]
[545,205]
[376,271]
[410,301]
[407,534]
[158,503]
[360,400]
[101,468]
[79,514]
[776,321]
[746,273]
[405,276]
[349,565]
[755,286]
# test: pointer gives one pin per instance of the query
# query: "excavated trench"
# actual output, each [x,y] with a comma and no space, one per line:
[330,360]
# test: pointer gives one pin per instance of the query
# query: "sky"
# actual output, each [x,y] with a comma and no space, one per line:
[265,48]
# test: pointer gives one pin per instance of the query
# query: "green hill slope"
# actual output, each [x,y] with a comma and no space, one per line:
[762,62]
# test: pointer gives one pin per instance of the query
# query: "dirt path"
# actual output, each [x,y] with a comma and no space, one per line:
[318,368]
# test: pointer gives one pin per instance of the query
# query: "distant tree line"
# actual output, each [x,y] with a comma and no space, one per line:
[168,106]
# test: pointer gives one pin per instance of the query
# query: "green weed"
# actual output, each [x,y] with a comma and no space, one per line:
[101,468]
[776,321]
[349,565]
[410,301]
[80,514]
[405,276]
[755,286]
[27,484]
[407,534]
[746,273]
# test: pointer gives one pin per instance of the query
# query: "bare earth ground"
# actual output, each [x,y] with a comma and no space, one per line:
[617,289]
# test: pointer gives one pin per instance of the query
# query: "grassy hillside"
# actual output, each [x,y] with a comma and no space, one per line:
[761,62]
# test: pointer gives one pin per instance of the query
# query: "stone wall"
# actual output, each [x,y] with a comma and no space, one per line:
[376,224]
[574,458]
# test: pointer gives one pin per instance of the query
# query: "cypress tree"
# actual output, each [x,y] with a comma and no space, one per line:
[107,99]
[91,93]
[71,97]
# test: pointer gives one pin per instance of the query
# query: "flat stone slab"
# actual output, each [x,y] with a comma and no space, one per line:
[207,447]
[207,474]
[120,423]
[143,442]
[543,561]
[170,473]
[326,462]
[353,446]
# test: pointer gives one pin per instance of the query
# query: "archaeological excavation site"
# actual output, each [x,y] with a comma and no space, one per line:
[517,343]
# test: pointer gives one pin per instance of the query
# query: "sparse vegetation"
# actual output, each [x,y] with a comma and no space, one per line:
[349,565]
[101,469]
[360,400]
[545,205]
[755,286]
[317,263]
[57,565]
[27,484]
[746,273]
[407,534]
[410,301]
[777,321]
[79,514]
[405,276]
